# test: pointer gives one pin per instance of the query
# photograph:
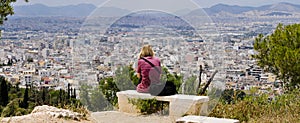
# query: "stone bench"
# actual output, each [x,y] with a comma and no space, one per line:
[203,119]
[179,104]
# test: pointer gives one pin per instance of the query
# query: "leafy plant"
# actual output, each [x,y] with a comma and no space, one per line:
[189,86]
[148,106]
[109,90]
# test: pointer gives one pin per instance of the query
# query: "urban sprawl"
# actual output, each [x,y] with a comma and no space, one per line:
[52,52]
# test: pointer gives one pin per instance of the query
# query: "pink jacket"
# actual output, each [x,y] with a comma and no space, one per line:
[144,68]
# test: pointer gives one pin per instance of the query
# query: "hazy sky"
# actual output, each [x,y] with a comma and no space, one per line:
[201,3]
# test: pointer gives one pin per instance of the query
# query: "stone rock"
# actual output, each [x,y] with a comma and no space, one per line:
[58,113]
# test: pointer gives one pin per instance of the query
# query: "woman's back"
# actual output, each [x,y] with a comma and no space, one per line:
[148,73]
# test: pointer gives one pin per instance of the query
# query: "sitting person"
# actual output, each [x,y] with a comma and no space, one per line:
[146,55]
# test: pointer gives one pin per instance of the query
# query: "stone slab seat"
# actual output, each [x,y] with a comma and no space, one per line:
[179,104]
[203,119]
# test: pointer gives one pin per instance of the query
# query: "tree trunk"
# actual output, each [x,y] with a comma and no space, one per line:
[200,74]
[208,83]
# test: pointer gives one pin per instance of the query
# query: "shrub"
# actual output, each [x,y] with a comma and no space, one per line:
[148,106]
[258,108]
[13,109]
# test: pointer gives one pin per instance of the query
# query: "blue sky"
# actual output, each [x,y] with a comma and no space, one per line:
[202,3]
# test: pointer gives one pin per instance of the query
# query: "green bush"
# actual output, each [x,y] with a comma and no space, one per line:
[148,106]
[109,90]
[13,109]
[190,86]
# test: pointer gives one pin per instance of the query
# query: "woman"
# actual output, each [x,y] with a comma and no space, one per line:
[144,68]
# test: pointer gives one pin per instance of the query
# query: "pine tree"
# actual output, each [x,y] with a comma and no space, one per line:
[60,96]
[71,92]
[74,93]
[279,53]
[25,98]
[3,91]
[44,96]
[68,96]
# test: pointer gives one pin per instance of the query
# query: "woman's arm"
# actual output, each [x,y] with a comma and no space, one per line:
[138,75]
[138,71]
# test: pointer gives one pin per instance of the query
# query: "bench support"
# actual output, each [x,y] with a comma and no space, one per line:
[183,107]
[179,105]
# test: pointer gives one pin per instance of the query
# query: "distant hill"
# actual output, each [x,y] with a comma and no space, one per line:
[111,12]
[277,14]
[279,9]
[43,10]
[234,9]
[80,10]
[83,10]
[283,7]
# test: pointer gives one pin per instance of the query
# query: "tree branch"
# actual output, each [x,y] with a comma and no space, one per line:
[208,82]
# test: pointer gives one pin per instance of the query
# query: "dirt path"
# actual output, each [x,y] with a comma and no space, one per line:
[118,117]
[96,117]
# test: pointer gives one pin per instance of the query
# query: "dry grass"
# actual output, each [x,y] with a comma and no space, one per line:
[285,108]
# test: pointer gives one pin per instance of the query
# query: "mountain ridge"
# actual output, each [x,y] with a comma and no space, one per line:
[236,9]
[84,10]
[80,10]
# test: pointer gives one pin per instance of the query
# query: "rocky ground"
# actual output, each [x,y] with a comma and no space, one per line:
[49,114]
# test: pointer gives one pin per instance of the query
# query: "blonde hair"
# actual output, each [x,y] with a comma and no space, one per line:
[146,51]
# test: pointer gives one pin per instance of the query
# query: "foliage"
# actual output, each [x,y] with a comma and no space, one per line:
[98,101]
[229,96]
[6,9]
[122,78]
[22,101]
[3,91]
[133,77]
[109,90]
[148,106]
[84,95]
[125,79]
[176,79]
[279,53]
[94,99]
[13,109]
[257,108]
[104,97]
[189,86]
